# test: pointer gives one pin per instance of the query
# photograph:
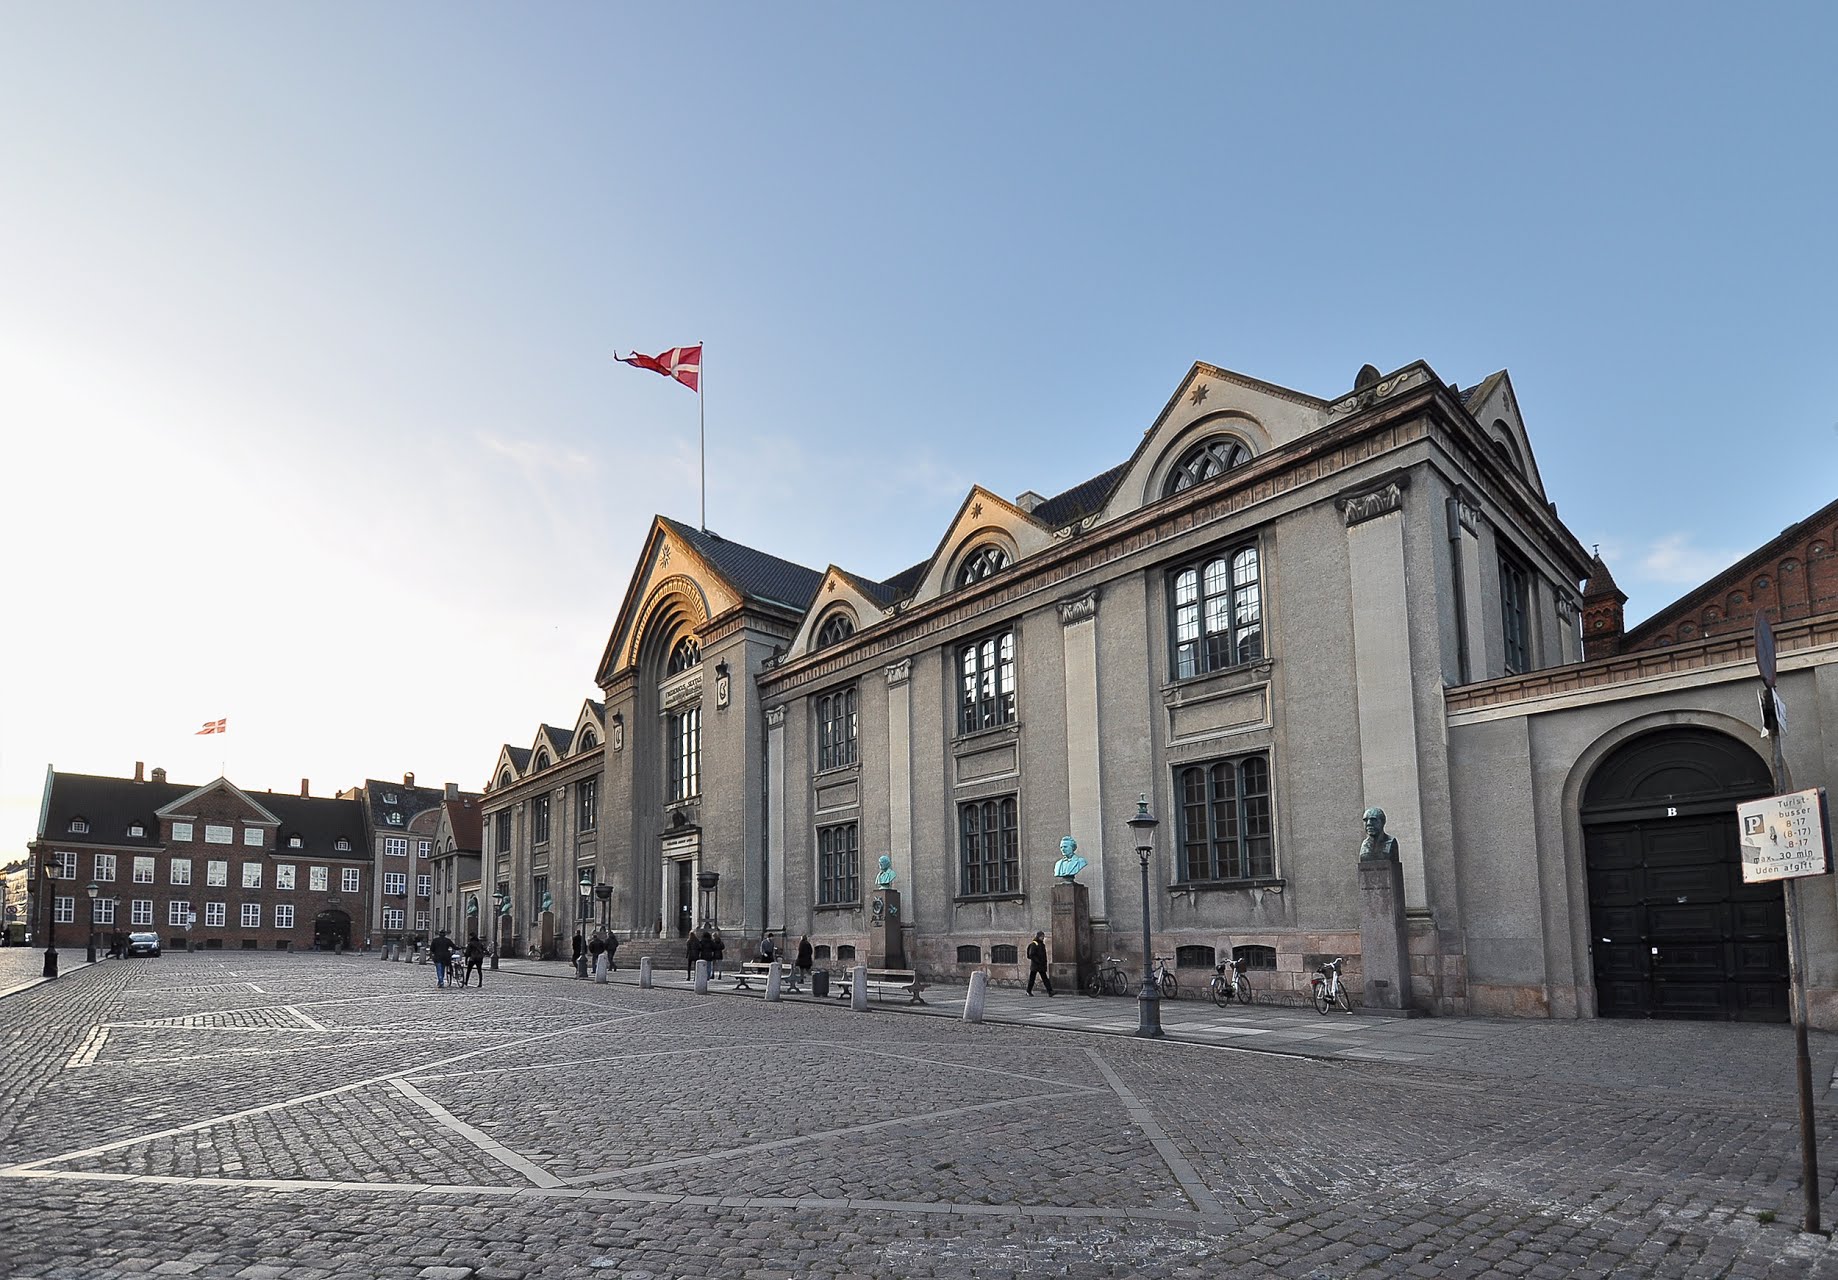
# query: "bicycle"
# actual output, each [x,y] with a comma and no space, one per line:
[1108,977]
[1330,990]
[1165,979]
[1229,985]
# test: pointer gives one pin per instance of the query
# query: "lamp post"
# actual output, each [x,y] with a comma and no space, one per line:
[604,892]
[50,920]
[95,891]
[709,882]
[1148,1000]
[584,910]
[502,900]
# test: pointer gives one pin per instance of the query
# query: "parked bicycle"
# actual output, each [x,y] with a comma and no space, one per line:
[1229,985]
[1165,979]
[1108,977]
[1330,990]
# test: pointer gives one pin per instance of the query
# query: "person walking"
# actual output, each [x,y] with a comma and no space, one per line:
[805,959]
[440,951]
[579,947]
[693,951]
[712,947]
[1037,963]
[475,962]
[595,950]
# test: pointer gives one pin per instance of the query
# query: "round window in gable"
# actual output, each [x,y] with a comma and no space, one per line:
[1204,461]
[836,628]
[986,561]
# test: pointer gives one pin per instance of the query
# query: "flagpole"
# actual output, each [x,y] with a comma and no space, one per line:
[702,427]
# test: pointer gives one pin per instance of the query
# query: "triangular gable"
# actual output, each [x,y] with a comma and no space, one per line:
[516,759]
[983,517]
[670,566]
[592,717]
[839,590]
[551,740]
[184,806]
[1495,408]
[1209,401]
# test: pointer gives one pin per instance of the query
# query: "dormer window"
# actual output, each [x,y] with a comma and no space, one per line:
[504,779]
[835,629]
[1206,460]
[389,797]
[395,819]
[589,741]
[342,845]
[136,831]
[295,842]
[686,654]
[984,562]
[79,826]
[542,760]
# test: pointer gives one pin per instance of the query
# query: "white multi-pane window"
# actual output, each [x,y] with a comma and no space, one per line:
[252,875]
[421,921]
[64,910]
[283,875]
[181,871]
[424,885]
[283,917]
[214,834]
[66,866]
[424,849]
[392,918]
[316,878]
[140,911]
[395,846]
[177,913]
[395,882]
[143,869]
[348,882]
[104,911]
[181,831]
[252,836]
[395,819]
[213,915]
[252,915]
[105,868]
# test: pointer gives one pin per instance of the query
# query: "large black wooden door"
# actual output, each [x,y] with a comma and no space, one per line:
[1676,932]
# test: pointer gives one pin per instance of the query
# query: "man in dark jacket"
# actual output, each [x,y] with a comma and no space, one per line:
[475,962]
[1037,963]
[693,950]
[440,951]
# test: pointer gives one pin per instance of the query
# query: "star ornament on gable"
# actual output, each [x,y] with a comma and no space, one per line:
[976,511]
[1198,395]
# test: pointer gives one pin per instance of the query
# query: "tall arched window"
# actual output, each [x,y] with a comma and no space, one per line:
[542,761]
[1205,460]
[1218,613]
[982,563]
[686,654]
[836,628]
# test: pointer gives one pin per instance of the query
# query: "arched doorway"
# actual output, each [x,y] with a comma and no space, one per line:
[332,931]
[1674,931]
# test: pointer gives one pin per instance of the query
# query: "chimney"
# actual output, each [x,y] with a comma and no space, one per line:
[159,775]
[408,779]
[304,790]
[453,791]
[140,767]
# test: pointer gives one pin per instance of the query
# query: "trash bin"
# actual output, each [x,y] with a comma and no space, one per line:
[820,982]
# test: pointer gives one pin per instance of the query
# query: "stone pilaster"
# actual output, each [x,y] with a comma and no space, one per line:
[1079,630]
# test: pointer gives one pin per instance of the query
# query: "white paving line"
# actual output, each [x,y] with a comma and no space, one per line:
[483,1141]
[86,1053]
[258,991]
[304,1020]
[1184,1172]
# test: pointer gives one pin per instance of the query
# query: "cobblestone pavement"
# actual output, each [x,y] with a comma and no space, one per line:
[301,1116]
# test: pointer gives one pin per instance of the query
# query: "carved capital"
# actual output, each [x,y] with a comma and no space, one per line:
[1082,608]
[1464,513]
[1369,506]
[775,717]
[898,672]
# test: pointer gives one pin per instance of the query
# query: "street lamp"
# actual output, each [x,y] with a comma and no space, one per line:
[709,882]
[1148,1000]
[50,918]
[502,899]
[95,891]
[584,912]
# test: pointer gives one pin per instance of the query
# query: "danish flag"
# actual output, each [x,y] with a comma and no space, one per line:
[682,363]
[214,726]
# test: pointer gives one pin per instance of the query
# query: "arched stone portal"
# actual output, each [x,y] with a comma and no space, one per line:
[332,931]
[1674,931]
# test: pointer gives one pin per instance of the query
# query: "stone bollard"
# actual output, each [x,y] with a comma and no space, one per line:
[603,965]
[389,952]
[858,989]
[979,992]
[701,977]
[644,974]
[772,982]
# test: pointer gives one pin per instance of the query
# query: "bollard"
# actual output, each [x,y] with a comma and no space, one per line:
[644,974]
[580,965]
[701,977]
[602,964]
[858,990]
[772,982]
[979,991]
[389,951]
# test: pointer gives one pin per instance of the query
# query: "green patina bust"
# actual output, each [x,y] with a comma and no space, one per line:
[1069,864]
[1377,846]
[888,875]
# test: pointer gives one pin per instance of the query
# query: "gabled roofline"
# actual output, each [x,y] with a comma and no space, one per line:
[171,807]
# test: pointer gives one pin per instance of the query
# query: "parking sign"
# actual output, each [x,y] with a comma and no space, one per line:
[1785,837]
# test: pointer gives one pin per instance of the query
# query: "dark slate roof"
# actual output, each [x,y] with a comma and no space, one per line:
[111,804]
[905,582]
[1600,582]
[520,757]
[882,593]
[558,741]
[409,801]
[1080,500]
[467,819]
[761,576]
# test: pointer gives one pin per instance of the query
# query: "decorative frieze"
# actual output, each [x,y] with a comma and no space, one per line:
[898,672]
[1080,608]
[1370,506]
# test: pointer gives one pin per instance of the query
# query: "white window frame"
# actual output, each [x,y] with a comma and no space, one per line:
[216,833]
[143,868]
[63,910]
[349,881]
[181,832]
[252,875]
[104,911]
[176,913]
[213,915]
[252,837]
[252,915]
[105,868]
[284,916]
[180,871]
[217,874]
[284,875]
[140,911]
[394,883]
[395,846]
[317,878]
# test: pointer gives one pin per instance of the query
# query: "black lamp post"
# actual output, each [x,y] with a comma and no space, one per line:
[502,900]
[95,891]
[604,892]
[1149,999]
[709,882]
[50,920]
[584,908]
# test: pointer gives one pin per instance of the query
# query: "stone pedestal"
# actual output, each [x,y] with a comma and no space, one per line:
[886,942]
[545,936]
[1384,947]
[1071,961]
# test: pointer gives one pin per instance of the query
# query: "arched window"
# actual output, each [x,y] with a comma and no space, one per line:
[504,779]
[1218,613]
[970,955]
[984,562]
[1205,460]
[835,629]
[686,654]
[1253,956]
[1504,445]
[1004,953]
[542,760]
[1194,957]
[589,740]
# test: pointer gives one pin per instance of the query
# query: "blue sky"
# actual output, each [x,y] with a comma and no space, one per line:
[306,311]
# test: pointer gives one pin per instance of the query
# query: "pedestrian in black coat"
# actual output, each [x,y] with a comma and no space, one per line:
[693,950]
[1037,963]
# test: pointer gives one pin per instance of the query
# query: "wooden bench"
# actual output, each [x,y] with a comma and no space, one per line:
[750,969]
[882,981]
